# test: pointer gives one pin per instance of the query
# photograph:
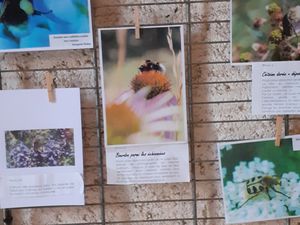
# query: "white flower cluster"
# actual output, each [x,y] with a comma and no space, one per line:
[244,170]
[290,183]
[240,207]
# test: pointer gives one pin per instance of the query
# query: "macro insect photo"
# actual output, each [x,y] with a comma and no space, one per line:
[28,24]
[39,148]
[144,90]
[265,30]
[260,181]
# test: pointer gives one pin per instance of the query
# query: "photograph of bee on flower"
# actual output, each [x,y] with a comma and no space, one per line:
[39,148]
[143,85]
[265,30]
[28,24]
[260,181]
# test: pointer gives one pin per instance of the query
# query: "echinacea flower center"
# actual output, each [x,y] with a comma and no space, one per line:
[121,123]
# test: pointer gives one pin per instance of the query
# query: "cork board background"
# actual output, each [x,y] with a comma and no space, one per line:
[219,107]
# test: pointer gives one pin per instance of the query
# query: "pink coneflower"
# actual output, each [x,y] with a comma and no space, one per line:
[151,108]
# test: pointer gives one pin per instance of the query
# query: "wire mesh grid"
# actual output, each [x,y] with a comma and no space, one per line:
[198,202]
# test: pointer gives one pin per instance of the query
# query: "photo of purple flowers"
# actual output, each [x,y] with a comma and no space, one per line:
[144,85]
[265,30]
[39,148]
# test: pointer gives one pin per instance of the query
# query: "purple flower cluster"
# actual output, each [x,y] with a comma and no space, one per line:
[19,156]
[54,150]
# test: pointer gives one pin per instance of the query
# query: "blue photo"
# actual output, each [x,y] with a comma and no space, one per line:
[27,25]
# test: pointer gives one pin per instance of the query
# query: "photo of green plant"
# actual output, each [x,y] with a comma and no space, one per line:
[260,181]
[144,85]
[39,148]
[265,30]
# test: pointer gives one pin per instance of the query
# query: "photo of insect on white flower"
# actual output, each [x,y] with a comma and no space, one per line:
[143,85]
[265,30]
[260,181]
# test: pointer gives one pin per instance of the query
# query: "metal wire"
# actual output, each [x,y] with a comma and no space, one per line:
[190,117]
[191,104]
[102,204]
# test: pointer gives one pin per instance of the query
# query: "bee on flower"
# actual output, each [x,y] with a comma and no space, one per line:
[147,112]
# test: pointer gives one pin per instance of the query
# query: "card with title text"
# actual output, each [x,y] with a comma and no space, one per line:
[144,105]
[276,88]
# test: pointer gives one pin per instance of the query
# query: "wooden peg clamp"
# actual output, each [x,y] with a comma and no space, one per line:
[23,78]
[50,86]
[279,122]
[137,22]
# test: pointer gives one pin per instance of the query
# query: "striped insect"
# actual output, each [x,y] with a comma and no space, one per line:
[261,184]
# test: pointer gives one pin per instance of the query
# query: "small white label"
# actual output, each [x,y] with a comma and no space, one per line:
[275,88]
[69,41]
[296,143]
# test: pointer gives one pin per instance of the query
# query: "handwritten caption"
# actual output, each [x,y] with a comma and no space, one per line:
[280,74]
[142,154]
[276,88]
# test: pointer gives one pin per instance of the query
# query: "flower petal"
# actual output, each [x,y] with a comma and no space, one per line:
[169,111]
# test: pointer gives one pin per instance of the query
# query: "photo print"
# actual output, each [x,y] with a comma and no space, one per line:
[39,148]
[144,91]
[260,181]
[144,104]
[33,25]
[265,31]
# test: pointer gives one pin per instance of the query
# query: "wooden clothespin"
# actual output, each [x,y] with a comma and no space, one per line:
[23,79]
[279,122]
[137,22]
[50,86]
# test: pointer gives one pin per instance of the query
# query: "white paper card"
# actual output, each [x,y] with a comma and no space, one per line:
[41,160]
[71,41]
[296,143]
[144,105]
[28,190]
[276,88]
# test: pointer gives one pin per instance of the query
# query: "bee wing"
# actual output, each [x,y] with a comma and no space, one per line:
[3,7]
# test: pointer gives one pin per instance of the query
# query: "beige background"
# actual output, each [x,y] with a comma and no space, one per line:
[219,108]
